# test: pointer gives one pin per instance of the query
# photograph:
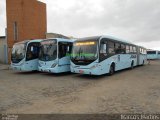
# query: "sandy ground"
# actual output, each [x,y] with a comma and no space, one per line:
[128,91]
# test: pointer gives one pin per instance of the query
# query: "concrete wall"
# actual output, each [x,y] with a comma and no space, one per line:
[30,16]
[3,50]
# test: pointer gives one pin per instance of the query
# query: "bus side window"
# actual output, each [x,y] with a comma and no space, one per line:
[117,48]
[64,49]
[61,50]
[140,50]
[134,49]
[143,51]
[127,49]
[111,49]
[123,49]
[32,51]
[131,49]
[103,50]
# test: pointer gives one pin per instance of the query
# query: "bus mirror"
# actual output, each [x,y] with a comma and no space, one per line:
[32,48]
[68,49]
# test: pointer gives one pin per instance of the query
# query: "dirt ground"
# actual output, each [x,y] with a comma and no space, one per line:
[127,91]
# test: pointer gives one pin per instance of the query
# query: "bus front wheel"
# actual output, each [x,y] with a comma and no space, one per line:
[132,65]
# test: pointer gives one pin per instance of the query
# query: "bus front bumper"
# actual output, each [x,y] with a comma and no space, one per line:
[85,71]
[19,68]
[49,70]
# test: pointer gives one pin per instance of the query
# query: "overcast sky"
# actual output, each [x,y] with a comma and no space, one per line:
[137,21]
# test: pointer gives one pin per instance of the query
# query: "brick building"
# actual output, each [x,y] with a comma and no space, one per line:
[26,19]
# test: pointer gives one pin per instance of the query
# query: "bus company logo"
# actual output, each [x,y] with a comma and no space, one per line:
[133,56]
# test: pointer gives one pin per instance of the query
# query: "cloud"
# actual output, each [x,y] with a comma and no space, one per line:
[2,17]
[133,20]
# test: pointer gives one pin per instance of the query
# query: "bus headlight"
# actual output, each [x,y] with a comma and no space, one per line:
[94,66]
[53,65]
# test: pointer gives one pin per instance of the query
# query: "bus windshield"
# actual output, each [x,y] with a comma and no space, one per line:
[18,52]
[84,51]
[48,50]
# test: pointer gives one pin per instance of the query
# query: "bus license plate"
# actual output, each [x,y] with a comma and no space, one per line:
[81,71]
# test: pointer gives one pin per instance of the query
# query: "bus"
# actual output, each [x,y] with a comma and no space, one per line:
[152,54]
[158,54]
[105,54]
[54,55]
[24,56]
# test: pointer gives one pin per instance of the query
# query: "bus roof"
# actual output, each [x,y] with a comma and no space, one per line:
[61,39]
[29,41]
[105,36]
[152,50]
[116,39]
[22,42]
[35,40]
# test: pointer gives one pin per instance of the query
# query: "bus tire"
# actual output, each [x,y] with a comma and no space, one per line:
[112,69]
[132,65]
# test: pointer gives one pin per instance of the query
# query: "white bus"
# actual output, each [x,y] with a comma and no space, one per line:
[24,55]
[152,54]
[54,56]
[105,54]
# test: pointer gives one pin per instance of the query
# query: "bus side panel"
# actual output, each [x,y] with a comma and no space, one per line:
[123,61]
[143,59]
[152,56]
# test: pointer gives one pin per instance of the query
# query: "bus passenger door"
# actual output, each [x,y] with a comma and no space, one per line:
[64,51]
[138,55]
[32,56]
[120,53]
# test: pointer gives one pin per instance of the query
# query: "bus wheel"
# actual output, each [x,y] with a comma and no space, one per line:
[132,65]
[111,71]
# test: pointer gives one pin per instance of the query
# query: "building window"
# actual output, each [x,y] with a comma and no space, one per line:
[15,31]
